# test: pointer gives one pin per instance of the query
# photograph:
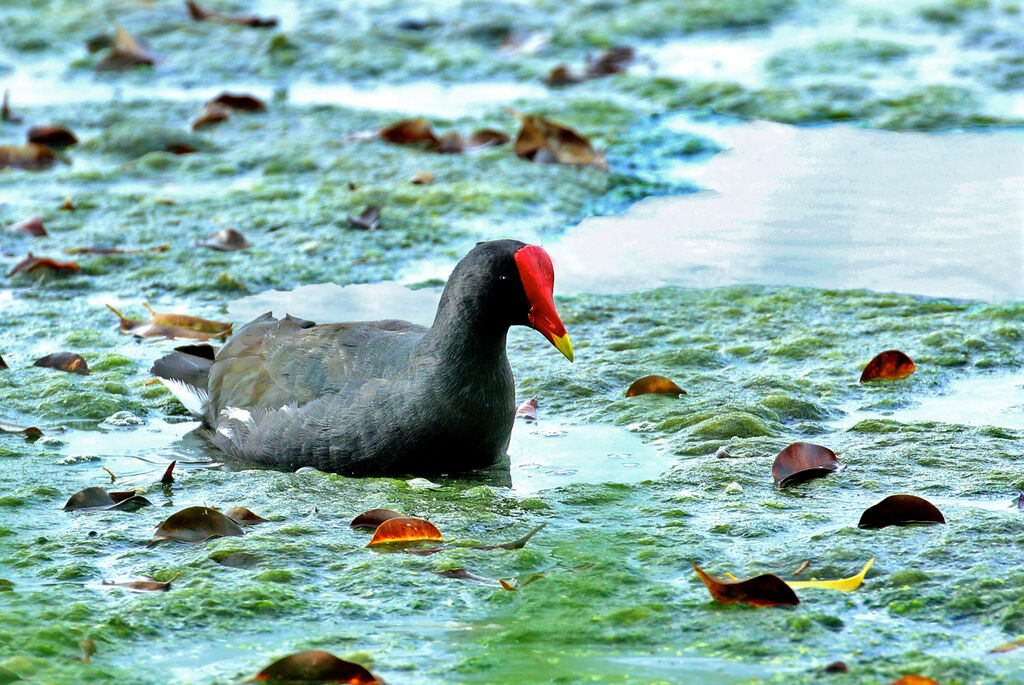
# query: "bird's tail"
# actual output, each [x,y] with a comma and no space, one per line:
[185,372]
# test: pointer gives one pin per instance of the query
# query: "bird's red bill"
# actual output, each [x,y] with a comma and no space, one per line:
[538,277]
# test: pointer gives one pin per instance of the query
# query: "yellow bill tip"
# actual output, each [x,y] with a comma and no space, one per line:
[563,345]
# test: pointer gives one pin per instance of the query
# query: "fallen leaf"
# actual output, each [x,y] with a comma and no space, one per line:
[463,574]
[405,529]
[451,143]
[212,114]
[97,498]
[486,137]
[802,461]
[835,667]
[235,559]
[168,476]
[67,206]
[505,585]
[658,385]
[194,323]
[373,518]
[226,240]
[196,524]
[368,220]
[899,510]
[245,517]
[27,431]
[561,75]
[148,585]
[316,666]
[88,648]
[72,362]
[5,586]
[52,136]
[423,178]
[5,110]
[240,101]
[32,263]
[126,54]
[802,567]
[888,365]
[410,132]
[914,680]
[33,227]
[202,14]
[614,60]
[1007,647]
[724,453]
[3,364]
[765,590]
[116,250]
[30,156]
[514,544]
[843,585]
[181,149]
[527,410]
[540,140]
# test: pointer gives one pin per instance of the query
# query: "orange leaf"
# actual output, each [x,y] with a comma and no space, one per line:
[889,365]
[914,680]
[802,461]
[766,590]
[194,323]
[899,510]
[31,263]
[654,385]
[405,529]
[316,666]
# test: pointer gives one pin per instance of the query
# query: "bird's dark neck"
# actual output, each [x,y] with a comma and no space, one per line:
[465,334]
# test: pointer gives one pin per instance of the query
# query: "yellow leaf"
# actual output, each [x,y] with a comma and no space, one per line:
[843,585]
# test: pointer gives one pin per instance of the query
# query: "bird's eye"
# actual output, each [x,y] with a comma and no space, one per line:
[503,278]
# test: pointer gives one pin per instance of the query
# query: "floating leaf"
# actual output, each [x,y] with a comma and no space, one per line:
[236,559]
[505,585]
[899,510]
[67,206]
[316,666]
[835,667]
[126,54]
[71,362]
[410,132]
[486,137]
[5,586]
[202,14]
[373,518]
[144,329]
[212,114]
[226,240]
[27,431]
[31,156]
[245,517]
[724,453]
[888,365]
[614,60]
[802,461]
[451,143]
[405,529]
[765,590]
[194,323]
[148,585]
[5,110]
[117,250]
[561,75]
[168,476]
[32,263]
[654,385]
[1007,647]
[368,220]
[463,574]
[196,524]
[843,585]
[3,364]
[540,140]
[33,226]
[914,680]
[423,178]
[240,101]
[97,498]
[514,544]
[88,648]
[527,410]
[52,136]
[802,567]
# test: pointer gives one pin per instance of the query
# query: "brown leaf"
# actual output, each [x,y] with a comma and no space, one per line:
[544,141]
[373,518]
[410,132]
[212,114]
[888,365]
[245,517]
[451,143]
[88,648]
[195,323]
[181,149]
[900,510]
[1007,647]
[148,585]
[486,137]
[52,136]
[30,156]
[505,585]
[423,178]
[196,524]
[97,498]
[27,431]
[463,574]
[226,240]
[654,385]
[116,250]
[914,680]
[71,362]
[405,529]
[368,220]
[31,263]
[316,666]
[168,476]
[33,226]
[202,14]
[236,559]
[5,110]
[765,590]
[126,54]
[835,667]
[527,410]
[3,364]
[802,567]
[614,60]
[802,461]
[239,101]
[67,206]
[561,75]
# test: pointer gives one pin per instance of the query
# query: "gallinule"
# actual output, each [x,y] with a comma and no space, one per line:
[378,397]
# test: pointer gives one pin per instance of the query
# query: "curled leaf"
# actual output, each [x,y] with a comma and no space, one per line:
[527,410]
[463,574]
[186,321]
[97,498]
[33,227]
[202,14]
[148,585]
[27,431]
[32,263]
[316,666]
[168,476]
[368,220]
[802,461]
[654,385]
[196,524]
[373,518]
[245,517]
[802,568]
[30,156]
[540,140]
[514,544]
[240,101]
[71,362]
[212,114]
[765,590]
[126,54]
[3,364]
[144,329]
[486,137]
[226,240]
[900,510]
[52,136]
[405,529]
[561,75]
[888,365]
[843,585]
[410,132]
